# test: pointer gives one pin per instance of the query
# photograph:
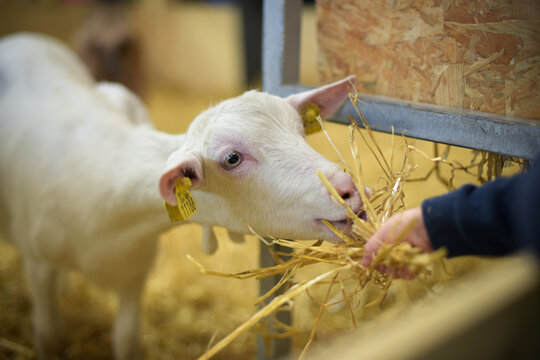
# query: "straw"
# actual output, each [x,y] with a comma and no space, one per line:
[345,257]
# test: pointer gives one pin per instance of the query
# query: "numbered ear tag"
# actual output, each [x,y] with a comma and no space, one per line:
[186,204]
[309,113]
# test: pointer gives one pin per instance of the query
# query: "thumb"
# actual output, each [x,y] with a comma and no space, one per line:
[370,249]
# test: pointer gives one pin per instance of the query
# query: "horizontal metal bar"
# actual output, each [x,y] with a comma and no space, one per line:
[505,135]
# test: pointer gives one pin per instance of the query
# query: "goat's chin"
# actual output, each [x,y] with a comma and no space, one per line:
[313,229]
[344,225]
[325,233]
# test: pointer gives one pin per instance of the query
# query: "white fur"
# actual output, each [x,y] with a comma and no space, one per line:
[82,169]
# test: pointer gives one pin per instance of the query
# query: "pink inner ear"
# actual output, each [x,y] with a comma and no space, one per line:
[189,166]
[167,185]
[329,97]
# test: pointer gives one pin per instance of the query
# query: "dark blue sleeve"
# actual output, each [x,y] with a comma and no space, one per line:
[496,218]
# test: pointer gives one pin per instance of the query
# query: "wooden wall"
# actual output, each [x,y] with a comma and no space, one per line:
[481,55]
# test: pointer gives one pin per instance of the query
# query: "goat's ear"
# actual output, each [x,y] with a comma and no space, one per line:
[328,98]
[179,165]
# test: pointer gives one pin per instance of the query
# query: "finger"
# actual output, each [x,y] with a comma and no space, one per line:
[383,269]
[373,244]
[370,249]
[366,260]
[405,274]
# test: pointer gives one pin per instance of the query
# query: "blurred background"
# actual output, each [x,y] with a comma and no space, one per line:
[204,46]
[181,57]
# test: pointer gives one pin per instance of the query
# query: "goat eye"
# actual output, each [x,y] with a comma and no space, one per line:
[231,160]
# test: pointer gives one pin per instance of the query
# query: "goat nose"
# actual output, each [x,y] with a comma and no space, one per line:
[343,185]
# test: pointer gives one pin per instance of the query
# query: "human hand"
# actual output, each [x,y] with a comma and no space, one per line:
[388,233]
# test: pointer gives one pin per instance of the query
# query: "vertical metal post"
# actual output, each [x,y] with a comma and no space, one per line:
[280,65]
[276,348]
[281,44]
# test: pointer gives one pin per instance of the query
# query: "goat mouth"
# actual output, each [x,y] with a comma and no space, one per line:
[345,225]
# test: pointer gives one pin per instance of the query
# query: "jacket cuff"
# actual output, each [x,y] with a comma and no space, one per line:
[440,222]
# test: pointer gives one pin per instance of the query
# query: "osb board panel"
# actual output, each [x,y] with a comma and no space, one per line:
[475,54]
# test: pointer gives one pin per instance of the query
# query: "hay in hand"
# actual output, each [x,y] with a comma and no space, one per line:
[345,258]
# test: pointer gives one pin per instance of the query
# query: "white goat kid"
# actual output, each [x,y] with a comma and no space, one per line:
[82,170]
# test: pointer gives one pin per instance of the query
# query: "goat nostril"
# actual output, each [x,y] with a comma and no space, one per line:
[346,196]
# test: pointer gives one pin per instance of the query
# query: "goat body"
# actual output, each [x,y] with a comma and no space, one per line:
[83,176]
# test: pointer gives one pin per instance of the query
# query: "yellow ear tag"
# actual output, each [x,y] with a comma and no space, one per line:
[309,113]
[186,204]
